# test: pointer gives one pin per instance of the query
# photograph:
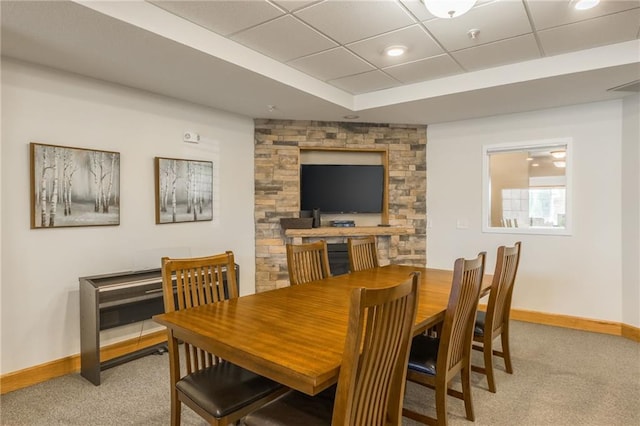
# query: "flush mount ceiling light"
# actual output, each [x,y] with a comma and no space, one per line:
[558,154]
[584,4]
[448,8]
[560,164]
[351,117]
[394,51]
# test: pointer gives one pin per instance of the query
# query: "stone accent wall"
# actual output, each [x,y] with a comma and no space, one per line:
[277,166]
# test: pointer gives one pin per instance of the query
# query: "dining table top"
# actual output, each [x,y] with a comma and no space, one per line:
[295,335]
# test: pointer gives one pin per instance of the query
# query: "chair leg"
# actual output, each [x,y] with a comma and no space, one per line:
[175,409]
[441,404]
[466,392]
[488,364]
[174,375]
[506,352]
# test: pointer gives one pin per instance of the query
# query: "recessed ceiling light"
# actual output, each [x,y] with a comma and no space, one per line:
[584,4]
[395,51]
[535,165]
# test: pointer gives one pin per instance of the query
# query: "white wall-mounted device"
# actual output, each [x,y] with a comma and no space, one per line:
[191,137]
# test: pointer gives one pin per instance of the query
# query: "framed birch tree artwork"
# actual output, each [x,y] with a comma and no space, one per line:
[184,190]
[73,187]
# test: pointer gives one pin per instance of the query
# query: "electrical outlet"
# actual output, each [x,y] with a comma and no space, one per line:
[462,223]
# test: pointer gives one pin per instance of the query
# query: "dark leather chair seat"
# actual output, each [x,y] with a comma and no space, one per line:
[294,408]
[224,388]
[424,354]
[478,330]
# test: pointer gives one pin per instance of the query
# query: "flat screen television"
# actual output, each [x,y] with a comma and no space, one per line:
[339,188]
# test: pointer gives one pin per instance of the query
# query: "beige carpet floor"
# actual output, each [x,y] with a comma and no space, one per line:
[562,377]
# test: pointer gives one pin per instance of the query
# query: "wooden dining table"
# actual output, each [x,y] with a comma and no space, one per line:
[295,335]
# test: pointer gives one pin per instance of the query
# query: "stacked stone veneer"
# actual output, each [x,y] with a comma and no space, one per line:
[277,167]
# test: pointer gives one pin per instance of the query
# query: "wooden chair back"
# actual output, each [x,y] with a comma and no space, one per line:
[191,282]
[495,321]
[373,371]
[219,391]
[504,276]
[308,262]
[457,330]
[452,349]
[363,253]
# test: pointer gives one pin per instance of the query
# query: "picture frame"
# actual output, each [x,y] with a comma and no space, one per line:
[73,187]
[183,190]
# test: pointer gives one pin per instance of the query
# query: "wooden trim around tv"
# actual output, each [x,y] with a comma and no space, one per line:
[71,364]
[384,161]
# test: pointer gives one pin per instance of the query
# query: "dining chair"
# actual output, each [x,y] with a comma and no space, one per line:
[219,391]
[435,361]
[308,262]
[371,381]
[363,253]
[495,321]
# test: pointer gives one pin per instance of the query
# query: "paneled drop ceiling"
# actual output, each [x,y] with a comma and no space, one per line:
[324,60]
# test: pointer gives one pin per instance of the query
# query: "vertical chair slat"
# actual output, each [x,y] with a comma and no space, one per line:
[363,253]
[307,262]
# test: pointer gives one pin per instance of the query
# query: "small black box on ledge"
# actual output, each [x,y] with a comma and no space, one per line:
[296,223]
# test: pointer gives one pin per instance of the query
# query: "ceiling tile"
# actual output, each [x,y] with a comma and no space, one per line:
[547,14]
[425,69]
[509,51]
[349,21]
[417,9]
[222,17]
[331,64]
[496,21]
[275,39]
[418,43]
[292,5]
[367,82]
[595,32]
[95,40]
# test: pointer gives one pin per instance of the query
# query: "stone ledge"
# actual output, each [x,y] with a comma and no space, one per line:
[353,231]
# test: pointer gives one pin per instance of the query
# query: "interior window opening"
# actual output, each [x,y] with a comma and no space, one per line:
[526,188]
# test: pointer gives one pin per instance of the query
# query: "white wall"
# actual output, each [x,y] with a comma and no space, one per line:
[40,268]
[631,211]
[1,221]
[578,275]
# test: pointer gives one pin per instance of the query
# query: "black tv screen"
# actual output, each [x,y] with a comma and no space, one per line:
[334,188]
